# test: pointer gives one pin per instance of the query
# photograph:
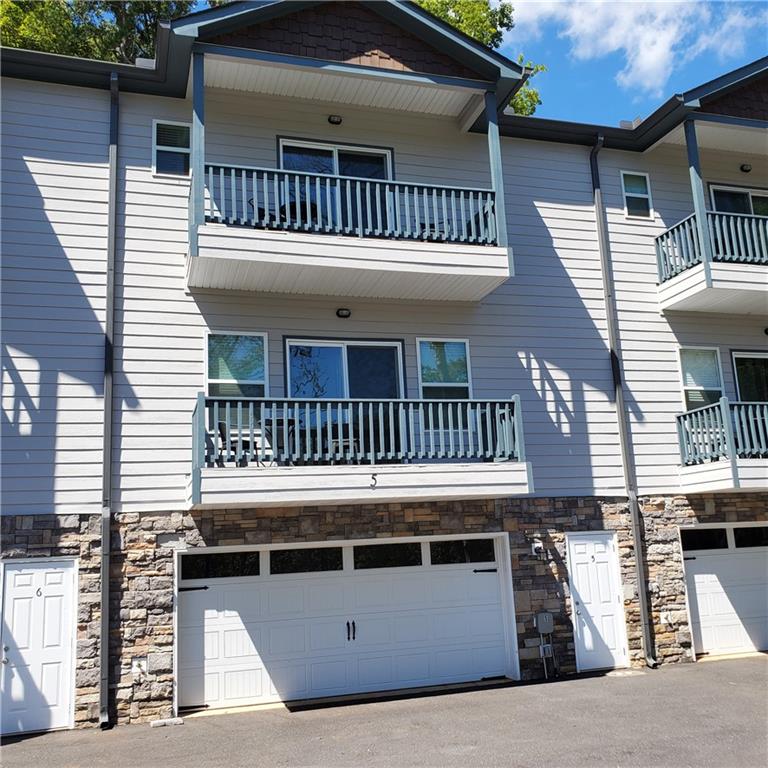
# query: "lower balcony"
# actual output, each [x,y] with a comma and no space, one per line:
[724,447]
[735,280]
[285,452]
[308,233]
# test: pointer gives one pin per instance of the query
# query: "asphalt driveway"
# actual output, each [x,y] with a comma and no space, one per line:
[708,714]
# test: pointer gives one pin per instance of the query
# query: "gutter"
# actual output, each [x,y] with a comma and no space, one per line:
[625,442]
[106,480]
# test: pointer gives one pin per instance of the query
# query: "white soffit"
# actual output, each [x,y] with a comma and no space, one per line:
[317,85]
[729,138]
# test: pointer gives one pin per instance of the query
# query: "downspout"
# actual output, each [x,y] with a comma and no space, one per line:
[625,443]
[106,479]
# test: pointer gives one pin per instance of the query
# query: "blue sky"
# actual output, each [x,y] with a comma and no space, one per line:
[609,61]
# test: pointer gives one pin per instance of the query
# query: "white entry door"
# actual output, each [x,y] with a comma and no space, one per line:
[598,608]
[36,680]
[344,629]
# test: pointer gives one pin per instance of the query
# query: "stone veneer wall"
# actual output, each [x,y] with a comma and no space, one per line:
[142,571]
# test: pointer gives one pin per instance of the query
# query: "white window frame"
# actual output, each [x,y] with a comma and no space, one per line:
[259,334]
[743,353]
[624,194]
[681,371]
[334,149]
[163,148]
[343,343]
[748,191]
[468,385]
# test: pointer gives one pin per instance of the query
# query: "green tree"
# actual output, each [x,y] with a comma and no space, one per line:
[110,30]
[487,23]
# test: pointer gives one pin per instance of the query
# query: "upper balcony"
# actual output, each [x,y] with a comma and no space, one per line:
[726,270]
[289,452]
[724,447]
[296,232]
[381,79]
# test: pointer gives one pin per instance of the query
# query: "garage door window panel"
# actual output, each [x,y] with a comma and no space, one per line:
[387,556]
[750,536]
[284,561]
[704,538]
[462,551]
[220,566]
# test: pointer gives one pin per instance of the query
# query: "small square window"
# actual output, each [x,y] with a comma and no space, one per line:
[171,149]
[637,195]
[702,384]
[444,369]
[236,365]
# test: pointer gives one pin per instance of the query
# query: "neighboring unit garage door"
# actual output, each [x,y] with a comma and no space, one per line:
[307,623]
[726,570]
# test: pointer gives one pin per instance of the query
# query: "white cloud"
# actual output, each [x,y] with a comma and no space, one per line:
[652,37]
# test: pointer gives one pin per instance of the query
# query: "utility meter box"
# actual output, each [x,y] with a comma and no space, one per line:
[545,623]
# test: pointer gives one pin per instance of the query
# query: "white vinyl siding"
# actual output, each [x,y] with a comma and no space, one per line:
[651,341]
[54,239]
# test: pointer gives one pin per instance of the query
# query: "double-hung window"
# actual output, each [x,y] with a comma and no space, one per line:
[444,371]
[702,379]
[171,148]
[237,364]
[636,190]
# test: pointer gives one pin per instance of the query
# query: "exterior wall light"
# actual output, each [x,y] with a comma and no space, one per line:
[334,119]
[745,167]
[343,313]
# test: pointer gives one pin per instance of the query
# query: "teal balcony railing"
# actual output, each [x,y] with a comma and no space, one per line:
[266,198]
[269,432]
[734,237]
[723,430]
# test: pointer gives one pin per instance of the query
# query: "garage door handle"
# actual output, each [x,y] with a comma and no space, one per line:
[353,630]
[347,630]
[191,589]
[689,558]
[485,570]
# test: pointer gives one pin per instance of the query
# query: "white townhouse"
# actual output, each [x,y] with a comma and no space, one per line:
[323,374]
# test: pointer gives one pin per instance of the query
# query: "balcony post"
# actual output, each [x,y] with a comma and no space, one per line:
[730,440]
[699,199]
[497,175]
[197,151]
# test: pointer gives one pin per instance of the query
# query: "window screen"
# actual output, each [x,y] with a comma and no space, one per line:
[637,194]
[236,365]
[172,149]
[444,369]
[701,377]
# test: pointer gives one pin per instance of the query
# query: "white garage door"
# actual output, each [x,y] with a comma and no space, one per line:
[726,570]
[306,623]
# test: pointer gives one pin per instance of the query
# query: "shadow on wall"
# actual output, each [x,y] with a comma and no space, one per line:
[54,262]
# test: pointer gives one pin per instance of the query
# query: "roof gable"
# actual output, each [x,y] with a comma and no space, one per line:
[749,100]
[344,32]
